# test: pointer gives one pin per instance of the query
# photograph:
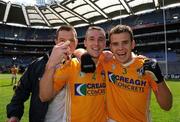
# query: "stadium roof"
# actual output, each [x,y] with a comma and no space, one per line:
[75,12]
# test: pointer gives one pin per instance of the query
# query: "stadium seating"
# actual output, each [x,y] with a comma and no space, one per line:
[148,30]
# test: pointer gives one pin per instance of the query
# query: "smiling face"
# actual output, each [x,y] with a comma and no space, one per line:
[122,43]
[67,35]
[95,42]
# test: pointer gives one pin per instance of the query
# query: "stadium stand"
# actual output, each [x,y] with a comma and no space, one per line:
[27,43]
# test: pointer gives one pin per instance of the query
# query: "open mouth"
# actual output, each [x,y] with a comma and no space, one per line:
[96,50]
[122,54]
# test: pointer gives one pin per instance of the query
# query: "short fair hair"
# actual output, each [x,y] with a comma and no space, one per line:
[94,28]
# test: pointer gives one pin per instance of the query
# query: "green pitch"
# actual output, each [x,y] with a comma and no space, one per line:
[6,92]
[158,115]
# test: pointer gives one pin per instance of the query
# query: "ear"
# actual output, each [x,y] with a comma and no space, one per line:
[85,43]
[133,44]
[56,41]
[76,42]
[110,47]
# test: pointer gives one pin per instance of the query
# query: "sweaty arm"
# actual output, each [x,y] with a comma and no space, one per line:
[59,53]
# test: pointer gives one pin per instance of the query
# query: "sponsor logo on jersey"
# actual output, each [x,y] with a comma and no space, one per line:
[127,83]
[80,89]
[89,89]
[111,77]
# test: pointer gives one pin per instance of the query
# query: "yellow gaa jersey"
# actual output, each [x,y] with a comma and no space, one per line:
[128,92]
[85,92]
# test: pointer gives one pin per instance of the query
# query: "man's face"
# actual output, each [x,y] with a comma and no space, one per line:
[121,46]
[95,42]
[67,35]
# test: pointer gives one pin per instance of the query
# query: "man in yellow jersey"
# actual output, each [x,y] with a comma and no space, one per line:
[14,71]
[128,86]
[28,86]
[85,83]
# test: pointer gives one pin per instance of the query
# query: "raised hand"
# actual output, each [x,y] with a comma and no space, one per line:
[59,54]
[151,66]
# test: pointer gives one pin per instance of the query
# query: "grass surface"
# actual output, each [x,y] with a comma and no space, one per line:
[6,92]
[158,115]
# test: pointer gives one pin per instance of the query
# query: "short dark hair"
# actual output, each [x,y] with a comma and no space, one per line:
[94,28]
[121,29]
[66,28]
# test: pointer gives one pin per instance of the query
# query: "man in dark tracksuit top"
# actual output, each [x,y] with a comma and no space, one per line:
[29,83]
